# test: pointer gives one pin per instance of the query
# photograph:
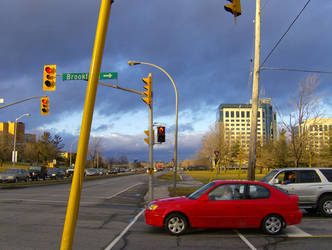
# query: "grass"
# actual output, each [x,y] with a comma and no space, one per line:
[169,176]
[208,176]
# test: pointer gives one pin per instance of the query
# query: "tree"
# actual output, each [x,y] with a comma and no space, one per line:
[305,106]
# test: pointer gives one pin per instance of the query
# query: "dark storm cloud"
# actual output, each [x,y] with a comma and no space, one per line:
[196,42]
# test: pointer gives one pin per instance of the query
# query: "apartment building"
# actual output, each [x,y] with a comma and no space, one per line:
[236,122]
[318,132]
[7,132]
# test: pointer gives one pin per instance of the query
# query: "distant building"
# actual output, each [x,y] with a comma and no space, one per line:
[319,132]
[7,132]
[236,122]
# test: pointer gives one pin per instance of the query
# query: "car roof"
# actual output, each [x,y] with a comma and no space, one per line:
[291,169]
[237,181]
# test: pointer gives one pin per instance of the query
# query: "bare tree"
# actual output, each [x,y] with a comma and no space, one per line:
[94,152]
[305,106]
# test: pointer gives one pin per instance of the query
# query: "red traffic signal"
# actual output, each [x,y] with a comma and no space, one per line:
[44,105]
[49,77]
[161,134]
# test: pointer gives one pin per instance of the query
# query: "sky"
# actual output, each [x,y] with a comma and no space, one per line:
[197,42]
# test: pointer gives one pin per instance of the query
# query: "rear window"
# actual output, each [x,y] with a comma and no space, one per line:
[327,173]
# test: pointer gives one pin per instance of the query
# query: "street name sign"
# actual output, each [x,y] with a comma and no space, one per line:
[85,76]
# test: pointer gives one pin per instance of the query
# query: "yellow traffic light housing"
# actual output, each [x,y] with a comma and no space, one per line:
[49,77]
[148,86]
[234,7]
[147,139]
[44,105]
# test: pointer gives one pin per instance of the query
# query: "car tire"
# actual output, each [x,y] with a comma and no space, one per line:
[325,206]
[272,224]
[176,224]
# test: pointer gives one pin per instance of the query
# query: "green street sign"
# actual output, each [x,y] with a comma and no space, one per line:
[85,76]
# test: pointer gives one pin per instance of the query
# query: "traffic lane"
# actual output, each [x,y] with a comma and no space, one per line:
[38,223]
[142,236]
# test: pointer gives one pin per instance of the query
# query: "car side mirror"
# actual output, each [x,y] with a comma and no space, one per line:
[276,181]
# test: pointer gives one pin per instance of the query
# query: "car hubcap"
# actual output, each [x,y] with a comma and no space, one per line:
[273,224]
[176,225]
[327,206]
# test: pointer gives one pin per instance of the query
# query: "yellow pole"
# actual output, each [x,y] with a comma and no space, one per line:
[76,186]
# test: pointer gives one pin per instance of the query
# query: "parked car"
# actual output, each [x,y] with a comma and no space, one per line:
[113,171]
[70,171]
[55,173]
[101,171]
[250,204]
[91,172]
[14,175]
[38,172]
[313,186]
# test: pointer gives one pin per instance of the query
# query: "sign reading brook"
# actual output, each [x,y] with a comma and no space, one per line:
[85,76]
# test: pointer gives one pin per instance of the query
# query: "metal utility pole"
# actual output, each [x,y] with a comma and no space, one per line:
[254,100]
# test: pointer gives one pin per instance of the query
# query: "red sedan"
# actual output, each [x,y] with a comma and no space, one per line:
[227,204]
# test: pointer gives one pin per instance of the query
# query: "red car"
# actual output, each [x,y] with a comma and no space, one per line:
[227,204]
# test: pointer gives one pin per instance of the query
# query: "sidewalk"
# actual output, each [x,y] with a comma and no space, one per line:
[161,191]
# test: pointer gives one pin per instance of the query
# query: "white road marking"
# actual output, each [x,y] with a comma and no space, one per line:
[124,190]
[245,240]
[294,231]
[112,244]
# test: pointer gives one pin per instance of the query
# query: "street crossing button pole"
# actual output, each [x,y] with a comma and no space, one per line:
[76,186]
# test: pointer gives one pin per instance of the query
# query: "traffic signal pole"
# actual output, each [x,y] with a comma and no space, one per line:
[76,186]
[150,152]
[254,99]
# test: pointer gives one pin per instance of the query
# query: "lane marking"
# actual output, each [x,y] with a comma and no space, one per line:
[110,197]
[294,231]
[245,240]
[112,244]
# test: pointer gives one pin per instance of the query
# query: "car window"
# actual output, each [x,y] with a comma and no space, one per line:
[198,193]
[234,191]
[327,173]
[258,192]
[307,176]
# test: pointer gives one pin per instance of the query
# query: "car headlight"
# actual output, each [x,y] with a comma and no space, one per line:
[152,206]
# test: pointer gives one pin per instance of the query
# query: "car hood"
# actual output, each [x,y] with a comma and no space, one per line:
[172,199]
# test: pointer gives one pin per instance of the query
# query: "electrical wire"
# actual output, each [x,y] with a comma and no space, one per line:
[298,70]
[276,45]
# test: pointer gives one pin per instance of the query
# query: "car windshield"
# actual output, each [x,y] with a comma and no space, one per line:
[269,176]
[12,171]
[198,193]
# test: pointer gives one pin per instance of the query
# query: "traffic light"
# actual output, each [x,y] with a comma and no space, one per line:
[234,7]
[49,77]
[148,93]
[161,134]
[44,105]
[147,133]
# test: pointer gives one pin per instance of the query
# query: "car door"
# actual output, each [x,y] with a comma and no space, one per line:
[219,212]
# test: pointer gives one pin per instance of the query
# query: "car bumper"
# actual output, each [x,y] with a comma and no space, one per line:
[153,218]
[294,218]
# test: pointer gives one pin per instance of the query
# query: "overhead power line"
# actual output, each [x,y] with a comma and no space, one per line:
[276,45]
[298,70]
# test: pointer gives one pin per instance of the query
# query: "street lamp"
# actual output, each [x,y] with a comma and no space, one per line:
[133,63]
[14,156]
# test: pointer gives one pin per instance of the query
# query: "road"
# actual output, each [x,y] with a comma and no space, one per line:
[32,218]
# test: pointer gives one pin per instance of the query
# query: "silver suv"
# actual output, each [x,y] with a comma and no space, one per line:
[313,186]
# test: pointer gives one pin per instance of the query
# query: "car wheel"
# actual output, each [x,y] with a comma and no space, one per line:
[272,224]
[176,224]
[325,206]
